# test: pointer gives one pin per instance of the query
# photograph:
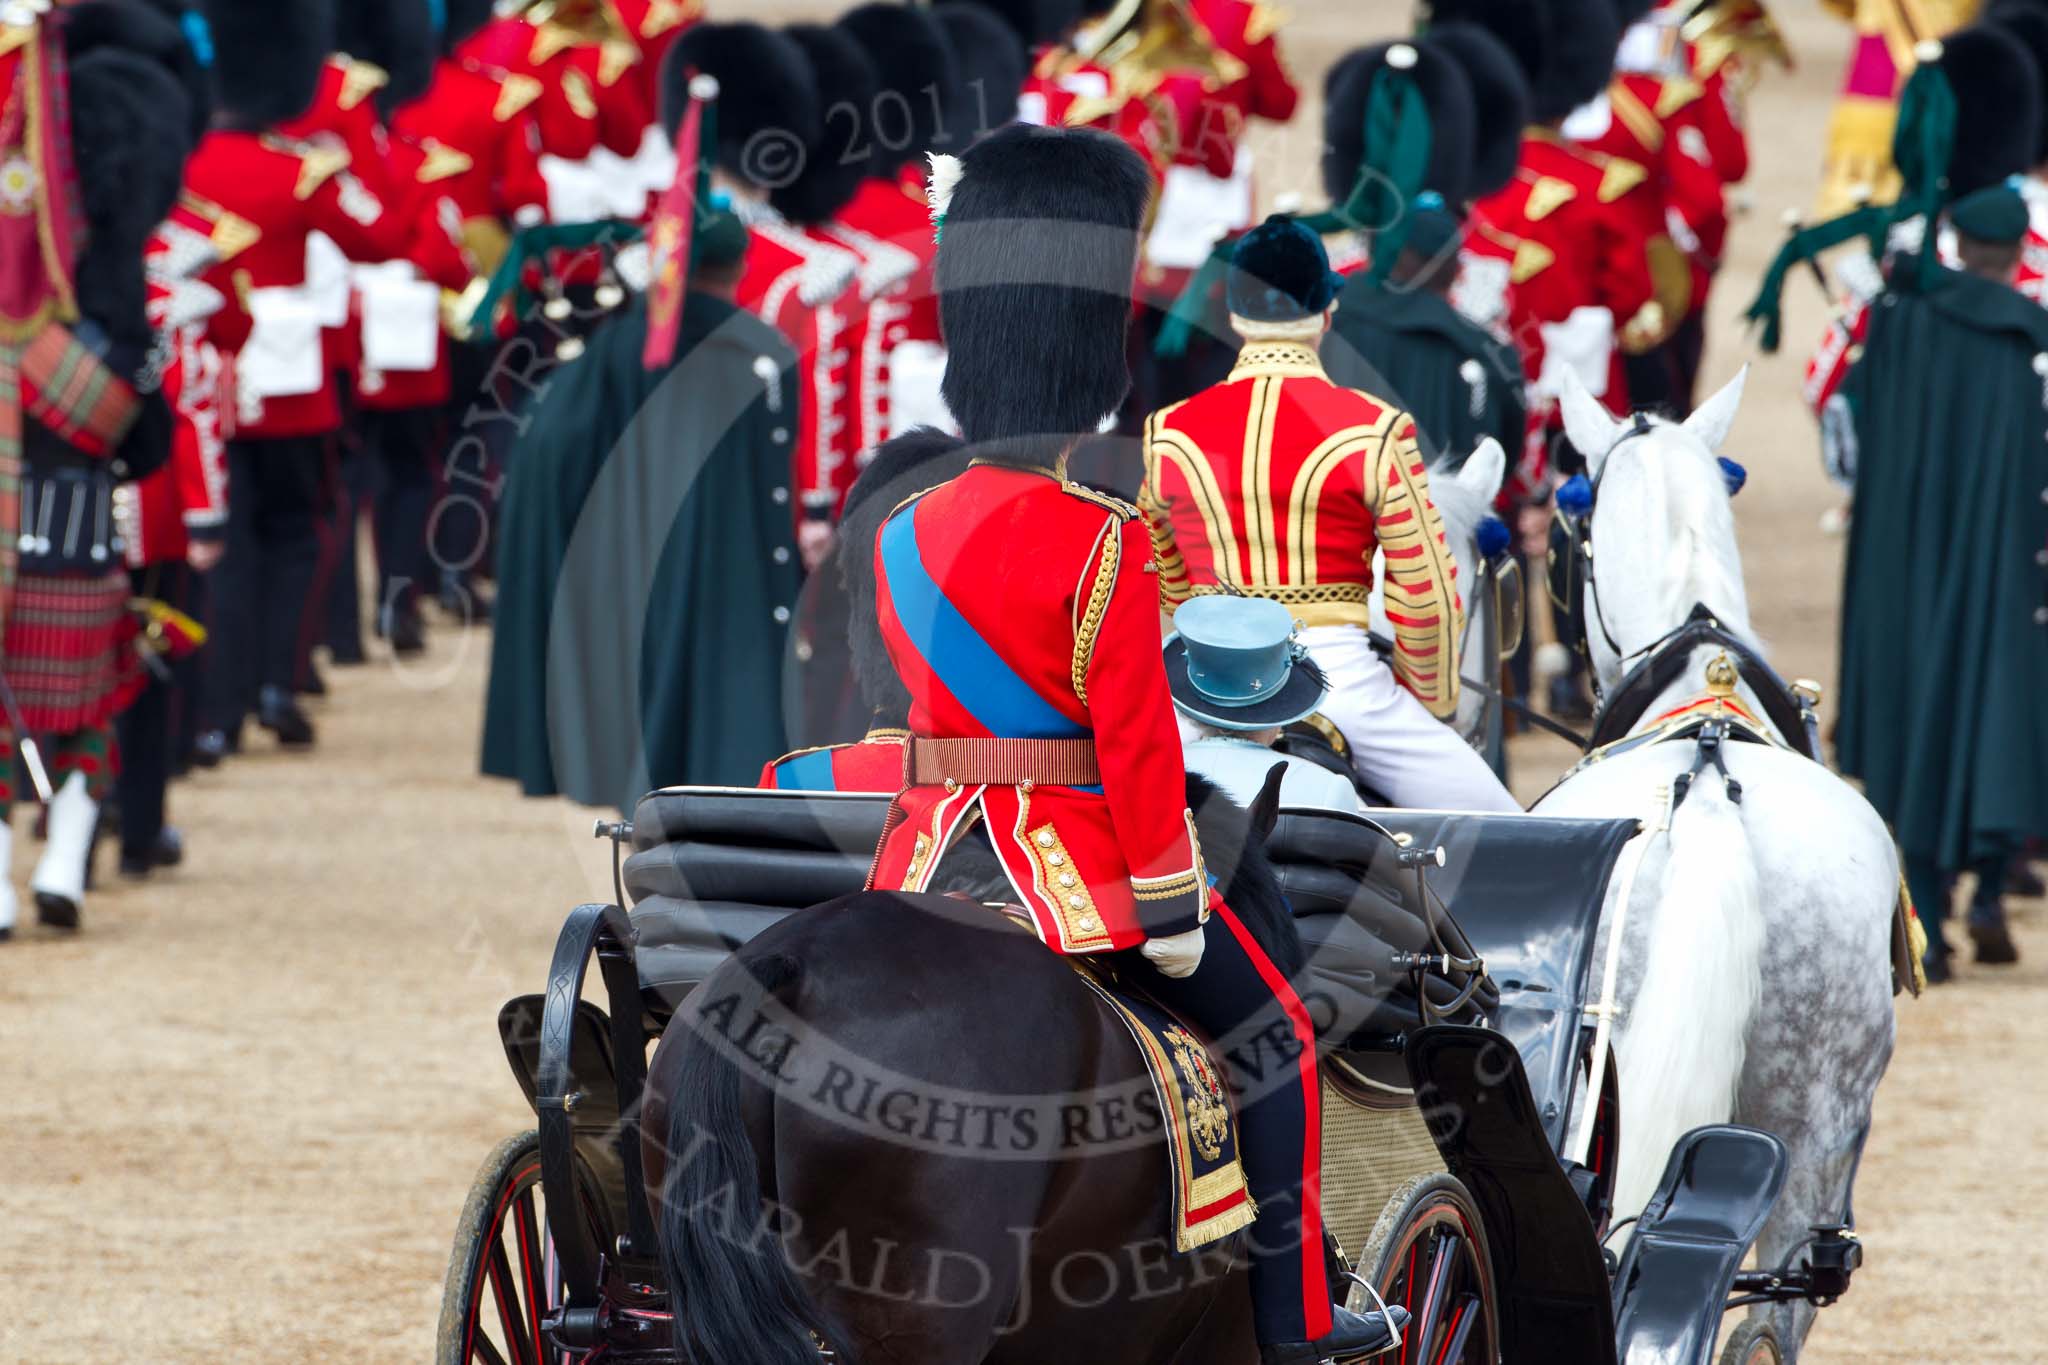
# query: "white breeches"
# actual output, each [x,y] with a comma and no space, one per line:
[1402,751]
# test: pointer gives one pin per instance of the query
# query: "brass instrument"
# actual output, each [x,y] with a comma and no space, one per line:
[1740,29]
[1142,42]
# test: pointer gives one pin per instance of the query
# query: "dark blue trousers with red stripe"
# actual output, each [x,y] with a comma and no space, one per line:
[1262,1030]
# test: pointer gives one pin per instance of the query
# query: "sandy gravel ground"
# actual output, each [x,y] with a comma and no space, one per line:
[243,1106]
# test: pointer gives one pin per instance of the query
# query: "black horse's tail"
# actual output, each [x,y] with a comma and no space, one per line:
[736,1296]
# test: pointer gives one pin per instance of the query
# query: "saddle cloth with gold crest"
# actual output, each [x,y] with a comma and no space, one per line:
[1210,1198]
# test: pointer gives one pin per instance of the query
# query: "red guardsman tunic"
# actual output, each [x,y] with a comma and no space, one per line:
[437,256]
[888,223]
[873,765]
[800,285]
[1583,208]
[278,193]
[653,25]
[1281,484]
[1017,605]
[475,132]
[566,111]
[1248,33]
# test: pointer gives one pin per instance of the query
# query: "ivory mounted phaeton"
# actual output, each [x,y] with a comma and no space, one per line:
[1470,1101]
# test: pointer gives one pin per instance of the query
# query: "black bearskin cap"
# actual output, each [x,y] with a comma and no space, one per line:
[992,66]
[2027,22]
[1500,102]
[1347,94]
[1034,273]
[463,18]
[128,126]
[1998,106]
[840,74]
[912,58]
[1279,272]
[267,57]
[769,116]
[1523,26]
[903,467]
[1033,21]
[1584,40]
[148,28]
[397,35]
[1567,47]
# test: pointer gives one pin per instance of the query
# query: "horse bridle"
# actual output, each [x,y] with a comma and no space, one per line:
[1573,533]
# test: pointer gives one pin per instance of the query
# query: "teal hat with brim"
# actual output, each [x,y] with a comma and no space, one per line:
[1997,215]
[1233,663]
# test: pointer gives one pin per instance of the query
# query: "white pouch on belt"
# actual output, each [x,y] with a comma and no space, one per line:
[576,190]
[1584,341]
[282,357]
[401,318]
[327,279]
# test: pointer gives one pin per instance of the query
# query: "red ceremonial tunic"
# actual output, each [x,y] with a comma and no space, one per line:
[565,108]
[653,25]
[800,285]
[873,765]
[1582,209]
[479,144]
[1281,484]
[436,252]
[889,223]
[280,192]
[1248,32]
[1019,606]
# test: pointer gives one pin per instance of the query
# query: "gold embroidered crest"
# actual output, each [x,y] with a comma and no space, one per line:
[1208,1111]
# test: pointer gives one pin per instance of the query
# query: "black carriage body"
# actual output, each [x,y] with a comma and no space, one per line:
[713,867]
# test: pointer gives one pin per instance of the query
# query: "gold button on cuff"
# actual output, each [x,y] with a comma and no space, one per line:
[1055,859]
[1078,902]
[1045,838]
[1089,924]
[951,785]
[1067,880]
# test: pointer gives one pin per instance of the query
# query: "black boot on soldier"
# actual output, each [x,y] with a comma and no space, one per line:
[279,714]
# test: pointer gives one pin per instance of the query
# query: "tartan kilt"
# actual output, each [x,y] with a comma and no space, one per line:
[70,658]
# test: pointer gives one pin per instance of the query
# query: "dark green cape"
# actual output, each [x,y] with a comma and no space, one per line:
[1413,350]
[647,566]
[1944,697]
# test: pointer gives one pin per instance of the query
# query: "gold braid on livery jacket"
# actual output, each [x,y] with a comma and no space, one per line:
[1278,483]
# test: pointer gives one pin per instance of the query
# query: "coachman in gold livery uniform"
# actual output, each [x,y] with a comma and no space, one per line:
[1281,484]
[1021,612]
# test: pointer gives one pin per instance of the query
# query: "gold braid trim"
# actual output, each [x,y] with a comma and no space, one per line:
[1288,594]
[1098,604]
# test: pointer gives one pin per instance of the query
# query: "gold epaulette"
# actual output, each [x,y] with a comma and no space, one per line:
[581,102]
[230,233]
[442,162]
[551,39]
[1531,260]
[317,166]
[359,81]
[1675,93]
[1123,510]
[1263,22]
[515,93]
[663,15]
[1618,177]
[614,59]
[1547,195]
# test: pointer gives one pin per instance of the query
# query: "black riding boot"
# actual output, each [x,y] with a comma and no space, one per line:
[1353,1336]
[1988,932]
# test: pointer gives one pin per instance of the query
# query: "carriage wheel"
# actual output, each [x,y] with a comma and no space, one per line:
[503,1281]
[1753,1342]
[1427,1253]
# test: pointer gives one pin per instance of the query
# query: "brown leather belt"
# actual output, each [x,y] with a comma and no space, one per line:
[1001,762]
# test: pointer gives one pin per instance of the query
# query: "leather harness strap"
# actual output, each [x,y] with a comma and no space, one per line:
[1001,762]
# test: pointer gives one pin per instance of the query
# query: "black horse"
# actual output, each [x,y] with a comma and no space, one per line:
[898,1127]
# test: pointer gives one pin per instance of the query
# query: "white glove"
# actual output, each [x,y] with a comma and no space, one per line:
[1178,955]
